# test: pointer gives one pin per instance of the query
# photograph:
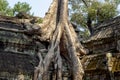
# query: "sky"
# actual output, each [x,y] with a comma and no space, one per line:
[39,7]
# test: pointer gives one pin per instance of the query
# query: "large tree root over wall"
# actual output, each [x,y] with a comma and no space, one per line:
[63,40]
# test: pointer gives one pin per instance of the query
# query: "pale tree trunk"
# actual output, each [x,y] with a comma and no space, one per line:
[55,26]
[63,41]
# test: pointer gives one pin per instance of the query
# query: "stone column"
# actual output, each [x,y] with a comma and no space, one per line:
[20,76]
[110,65]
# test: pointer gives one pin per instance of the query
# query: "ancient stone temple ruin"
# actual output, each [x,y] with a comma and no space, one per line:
[18,51]
[103,60]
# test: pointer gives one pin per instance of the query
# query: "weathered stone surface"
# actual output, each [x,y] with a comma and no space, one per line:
[102,62]
[17,50]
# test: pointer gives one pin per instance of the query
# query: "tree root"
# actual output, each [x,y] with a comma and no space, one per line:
[61,29]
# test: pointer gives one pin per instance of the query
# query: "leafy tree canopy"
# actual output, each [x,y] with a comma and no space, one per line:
[6,10]
[21,7]
[95,10]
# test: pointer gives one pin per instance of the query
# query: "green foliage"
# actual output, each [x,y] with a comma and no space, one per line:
[99,11]
[117,2]
[21,7]
[6,10]
[96,10]
[107,11]
[40,20]
[78,18]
